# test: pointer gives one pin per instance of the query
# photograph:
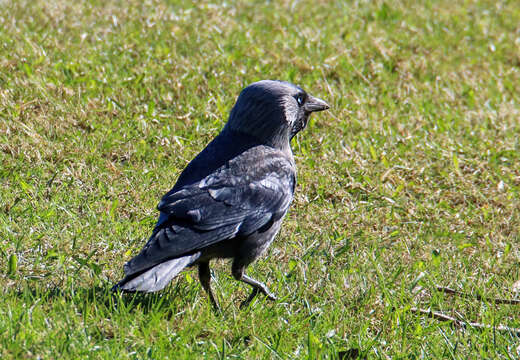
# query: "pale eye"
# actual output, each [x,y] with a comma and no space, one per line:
[300,99]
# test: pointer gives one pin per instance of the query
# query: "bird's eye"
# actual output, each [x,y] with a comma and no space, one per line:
[300,99]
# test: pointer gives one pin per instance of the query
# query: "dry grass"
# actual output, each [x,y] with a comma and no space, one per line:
[410,181]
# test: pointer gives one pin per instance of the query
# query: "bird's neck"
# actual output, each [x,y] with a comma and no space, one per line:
[277,141]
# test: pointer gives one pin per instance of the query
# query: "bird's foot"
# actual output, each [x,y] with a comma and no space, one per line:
[255,291]
[271,296]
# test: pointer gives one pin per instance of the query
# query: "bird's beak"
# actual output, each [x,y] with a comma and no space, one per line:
[314,104]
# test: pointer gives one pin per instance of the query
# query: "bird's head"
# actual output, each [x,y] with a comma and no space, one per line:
[273,111]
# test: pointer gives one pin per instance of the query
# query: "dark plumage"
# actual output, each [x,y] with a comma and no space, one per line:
[231,199]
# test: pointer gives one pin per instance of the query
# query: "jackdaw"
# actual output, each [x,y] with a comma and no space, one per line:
[229,202]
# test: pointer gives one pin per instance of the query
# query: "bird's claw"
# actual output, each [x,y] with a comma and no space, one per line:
[248,301]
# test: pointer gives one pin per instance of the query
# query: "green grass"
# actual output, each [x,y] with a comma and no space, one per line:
[411,180]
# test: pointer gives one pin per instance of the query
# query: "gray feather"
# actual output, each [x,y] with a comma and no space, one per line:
[159,276]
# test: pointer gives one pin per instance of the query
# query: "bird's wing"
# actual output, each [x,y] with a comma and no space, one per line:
[243,196]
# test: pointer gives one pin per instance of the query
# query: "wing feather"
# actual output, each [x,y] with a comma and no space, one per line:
[237,199]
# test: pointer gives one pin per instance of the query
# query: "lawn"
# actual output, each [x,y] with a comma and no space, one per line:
[409,182]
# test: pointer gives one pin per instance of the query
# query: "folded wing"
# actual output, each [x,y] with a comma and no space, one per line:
[244,196]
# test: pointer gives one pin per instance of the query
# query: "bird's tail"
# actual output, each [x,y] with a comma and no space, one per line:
[157,277]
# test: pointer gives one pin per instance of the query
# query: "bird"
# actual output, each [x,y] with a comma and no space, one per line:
[230,200]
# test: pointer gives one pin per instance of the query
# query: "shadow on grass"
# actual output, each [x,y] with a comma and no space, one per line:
[171,301]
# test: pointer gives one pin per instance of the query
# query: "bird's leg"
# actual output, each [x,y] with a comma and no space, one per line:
[205,279]
[238,274]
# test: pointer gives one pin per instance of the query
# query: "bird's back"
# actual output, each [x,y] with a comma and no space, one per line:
[226,146]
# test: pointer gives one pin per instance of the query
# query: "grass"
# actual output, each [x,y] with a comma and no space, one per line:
[411,180]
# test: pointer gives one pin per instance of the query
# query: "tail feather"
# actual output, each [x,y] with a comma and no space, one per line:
[157,277]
